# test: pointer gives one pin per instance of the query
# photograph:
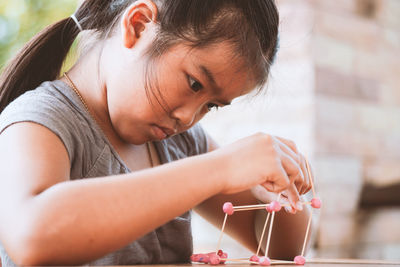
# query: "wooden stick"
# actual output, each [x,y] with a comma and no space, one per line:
[333,261]
[243,261]
[262,235]
[311,213]
[281,261]
[222,232]
[307,231]
[353,261]
[269,233]
[240,260]
[317,260]
[244,209]
[270,229]
[261,206]
[311,178]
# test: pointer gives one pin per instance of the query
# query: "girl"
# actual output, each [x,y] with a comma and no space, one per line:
[147,73]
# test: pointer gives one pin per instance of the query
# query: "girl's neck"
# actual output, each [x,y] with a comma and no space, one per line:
[89,79]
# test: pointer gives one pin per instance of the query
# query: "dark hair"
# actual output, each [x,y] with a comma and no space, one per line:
[250,25]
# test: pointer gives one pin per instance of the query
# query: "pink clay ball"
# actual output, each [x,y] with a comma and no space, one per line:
[195,257]
[316,203]
[269,208]
[223,257]
[254,258]
[228,208]
[275,206]
[220,252]
[264,261]
[204,258]
[213,258]
[299,260]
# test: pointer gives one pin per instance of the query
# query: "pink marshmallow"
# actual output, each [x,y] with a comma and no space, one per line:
[269,208]
[316,203]
[275,206]
[199,258]
[204,258]
[264,261]
[254,258]
[228,208]
[220,252]
[195,258]
[299,260]
[213,258]
[223,258]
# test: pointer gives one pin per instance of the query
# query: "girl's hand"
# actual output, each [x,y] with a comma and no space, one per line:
[302,185]
[264,196]
[265,160]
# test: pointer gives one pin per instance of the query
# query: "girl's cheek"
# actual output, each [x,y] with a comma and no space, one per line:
[204,110]
[200,116]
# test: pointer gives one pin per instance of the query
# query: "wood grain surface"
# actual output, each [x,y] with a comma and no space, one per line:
[340,263]
[286,265]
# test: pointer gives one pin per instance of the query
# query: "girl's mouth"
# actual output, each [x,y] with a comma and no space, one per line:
[158,132]
[161,132]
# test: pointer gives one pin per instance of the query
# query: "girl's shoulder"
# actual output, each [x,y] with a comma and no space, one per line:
[51,101]
[54,106]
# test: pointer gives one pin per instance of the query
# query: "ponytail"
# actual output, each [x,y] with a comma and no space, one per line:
[39,60]
[42,57]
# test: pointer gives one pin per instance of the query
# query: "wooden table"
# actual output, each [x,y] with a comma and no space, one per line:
[283,265]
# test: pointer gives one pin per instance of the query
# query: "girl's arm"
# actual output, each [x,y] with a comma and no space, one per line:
[288,231]
[47,219]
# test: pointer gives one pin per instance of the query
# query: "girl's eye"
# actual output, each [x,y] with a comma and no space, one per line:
[195,85]
[210,106]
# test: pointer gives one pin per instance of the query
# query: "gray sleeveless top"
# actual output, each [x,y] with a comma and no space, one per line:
[56,106]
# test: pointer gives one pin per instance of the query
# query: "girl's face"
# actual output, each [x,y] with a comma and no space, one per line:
[183,85]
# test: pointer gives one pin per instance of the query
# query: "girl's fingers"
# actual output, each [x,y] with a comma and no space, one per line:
[288,146]
[289,143]
[294,197]
[292,169]
[294,166]
[293,172]
[302,183]
[278,181]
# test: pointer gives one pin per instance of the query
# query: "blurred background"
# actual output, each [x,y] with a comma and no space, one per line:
[334,90]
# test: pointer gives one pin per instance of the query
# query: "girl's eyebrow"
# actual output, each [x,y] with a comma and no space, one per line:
[211,80]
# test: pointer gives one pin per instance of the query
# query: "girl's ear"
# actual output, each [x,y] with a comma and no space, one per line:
[136,18]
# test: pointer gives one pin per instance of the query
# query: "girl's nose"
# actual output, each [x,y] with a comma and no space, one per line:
[185,115]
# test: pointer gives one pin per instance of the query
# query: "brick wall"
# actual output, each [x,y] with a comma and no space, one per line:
[356,50]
